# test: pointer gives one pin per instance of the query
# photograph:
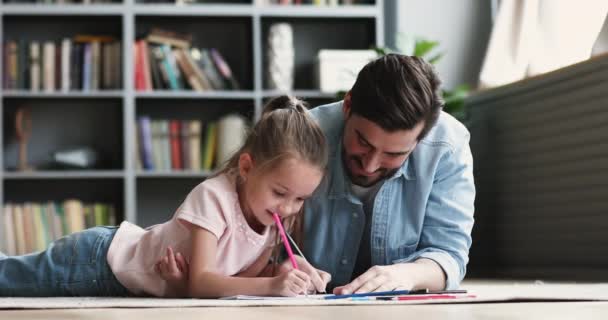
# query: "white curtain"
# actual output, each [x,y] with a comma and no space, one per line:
[530,37]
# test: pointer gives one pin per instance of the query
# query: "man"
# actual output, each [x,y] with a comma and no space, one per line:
[395,210]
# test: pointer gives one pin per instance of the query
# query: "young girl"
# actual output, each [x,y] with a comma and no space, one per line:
[224,227]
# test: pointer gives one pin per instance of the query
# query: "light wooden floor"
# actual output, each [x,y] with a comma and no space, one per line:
[553,311]
[506,310]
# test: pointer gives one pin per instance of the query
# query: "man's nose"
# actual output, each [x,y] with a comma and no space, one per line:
[371,162]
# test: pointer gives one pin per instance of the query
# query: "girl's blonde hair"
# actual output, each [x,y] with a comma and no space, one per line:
[285,131]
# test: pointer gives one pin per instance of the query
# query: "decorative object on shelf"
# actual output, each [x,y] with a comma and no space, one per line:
[79,158]
[23,128]
[231,136]
[336,70]
[280,55]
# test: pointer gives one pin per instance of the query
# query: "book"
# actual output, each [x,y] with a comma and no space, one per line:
[19,221]
[159,62]
[144,55]
[87,38]
[48,60]
[170,67]
[95,65]
[66,50]
[174,136]
[165,145]
[170,38]
[204,62]
[28,227]
[22,64]
[197,70]
[224,70]
[185,144]
[145,139]
[194,140]
[188,71]
[86,66]
[157,157]
[157,81]
[10,239]
[210,146]
[12,68]
[35,76]
[76,61]
[74,215]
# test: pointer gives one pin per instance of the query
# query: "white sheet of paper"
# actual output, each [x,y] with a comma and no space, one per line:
[299,297]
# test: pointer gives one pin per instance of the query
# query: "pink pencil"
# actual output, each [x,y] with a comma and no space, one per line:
[277,220]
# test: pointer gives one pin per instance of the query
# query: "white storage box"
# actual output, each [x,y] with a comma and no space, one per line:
[336,70]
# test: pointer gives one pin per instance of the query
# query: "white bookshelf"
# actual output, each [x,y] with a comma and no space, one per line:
[147,197]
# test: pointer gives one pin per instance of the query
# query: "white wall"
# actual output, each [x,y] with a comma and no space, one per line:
[462,28]
[601,44]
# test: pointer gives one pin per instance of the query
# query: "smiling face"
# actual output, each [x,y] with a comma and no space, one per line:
[281,189]
[370,153]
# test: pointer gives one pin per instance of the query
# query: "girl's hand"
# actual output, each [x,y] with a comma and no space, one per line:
[290,284]
[319,278]
[174,269]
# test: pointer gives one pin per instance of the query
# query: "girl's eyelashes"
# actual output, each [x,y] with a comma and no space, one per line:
[279,193]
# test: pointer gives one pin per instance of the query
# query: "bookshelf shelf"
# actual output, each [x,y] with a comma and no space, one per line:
[300,93]
[168,94]
[107,119]
[63,9]
[311,11]
[59,94]
[174,174]
[63,174]
[215,10]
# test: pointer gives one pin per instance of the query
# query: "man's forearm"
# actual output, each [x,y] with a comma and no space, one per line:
[425,273]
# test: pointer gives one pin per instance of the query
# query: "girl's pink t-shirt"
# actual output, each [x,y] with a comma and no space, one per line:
[212,205]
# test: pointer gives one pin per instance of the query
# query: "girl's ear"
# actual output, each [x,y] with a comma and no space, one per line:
[346,105]
[245,165]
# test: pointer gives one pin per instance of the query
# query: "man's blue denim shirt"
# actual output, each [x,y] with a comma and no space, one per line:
[425,210]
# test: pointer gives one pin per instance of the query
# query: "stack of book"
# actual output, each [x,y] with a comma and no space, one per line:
[165,145]
[63,1]
[310,2]
[166,60]
[30,227]
[84,62]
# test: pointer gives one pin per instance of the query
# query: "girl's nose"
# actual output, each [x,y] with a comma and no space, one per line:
[284,209]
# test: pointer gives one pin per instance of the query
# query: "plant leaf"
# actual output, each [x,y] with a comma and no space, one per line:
[423,47]
[434,59]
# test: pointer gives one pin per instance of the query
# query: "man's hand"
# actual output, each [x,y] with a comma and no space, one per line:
[379,278]
[422,273]
[319,278]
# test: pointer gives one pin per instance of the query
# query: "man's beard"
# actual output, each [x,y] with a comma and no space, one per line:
[360,180]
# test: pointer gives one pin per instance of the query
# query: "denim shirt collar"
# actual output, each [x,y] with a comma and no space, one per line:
[340,183]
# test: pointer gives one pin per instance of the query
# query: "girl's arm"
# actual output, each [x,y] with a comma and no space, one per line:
[256,268]
[205,282]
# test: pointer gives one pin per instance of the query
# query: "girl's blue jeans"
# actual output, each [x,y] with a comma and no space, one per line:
[74,265]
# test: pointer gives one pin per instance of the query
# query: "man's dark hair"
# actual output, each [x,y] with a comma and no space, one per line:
[396,92]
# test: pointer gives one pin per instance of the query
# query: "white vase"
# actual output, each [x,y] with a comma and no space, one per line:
[280,55]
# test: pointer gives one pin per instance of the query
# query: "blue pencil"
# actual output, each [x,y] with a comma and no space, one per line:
[368,294]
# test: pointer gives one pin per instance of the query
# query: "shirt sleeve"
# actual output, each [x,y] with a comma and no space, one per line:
[449,215]
[203,208]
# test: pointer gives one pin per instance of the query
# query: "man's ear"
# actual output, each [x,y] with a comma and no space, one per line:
[346,104]
[245,165]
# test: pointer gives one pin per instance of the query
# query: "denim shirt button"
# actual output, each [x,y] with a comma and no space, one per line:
[344,261]
[355,215]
